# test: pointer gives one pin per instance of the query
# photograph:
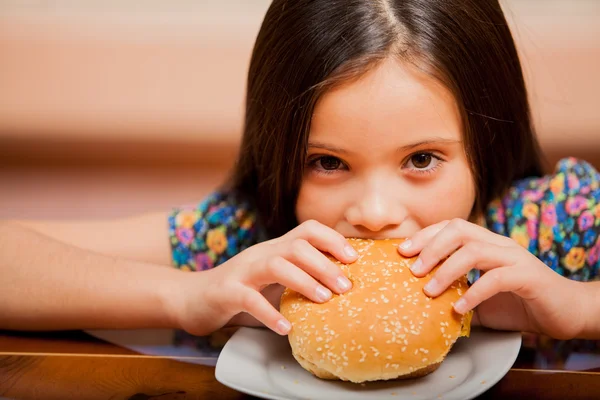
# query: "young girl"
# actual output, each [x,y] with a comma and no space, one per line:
[371,119]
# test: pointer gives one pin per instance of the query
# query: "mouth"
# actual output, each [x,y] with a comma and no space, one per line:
[391,232]
[376,235]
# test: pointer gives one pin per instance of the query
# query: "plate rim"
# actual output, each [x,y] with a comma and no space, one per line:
[221,377]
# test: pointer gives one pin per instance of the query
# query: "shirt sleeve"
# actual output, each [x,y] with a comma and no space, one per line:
[555,217]
[207,234]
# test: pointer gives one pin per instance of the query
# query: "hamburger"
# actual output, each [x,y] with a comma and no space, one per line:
[384,328]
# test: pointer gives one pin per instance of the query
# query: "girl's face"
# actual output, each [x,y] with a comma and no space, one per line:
[385,156]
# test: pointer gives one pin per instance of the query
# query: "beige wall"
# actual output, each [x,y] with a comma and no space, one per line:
[103,105]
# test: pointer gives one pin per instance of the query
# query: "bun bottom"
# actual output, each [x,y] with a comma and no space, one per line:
[322,374]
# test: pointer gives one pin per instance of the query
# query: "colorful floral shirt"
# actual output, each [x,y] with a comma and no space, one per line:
[210,233]
[556,217]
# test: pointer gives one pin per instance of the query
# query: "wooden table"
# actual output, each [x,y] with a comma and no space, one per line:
[74,365]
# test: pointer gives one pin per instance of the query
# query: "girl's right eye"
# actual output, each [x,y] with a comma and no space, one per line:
[326,164]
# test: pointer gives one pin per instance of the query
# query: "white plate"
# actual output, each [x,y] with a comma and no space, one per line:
[259,362]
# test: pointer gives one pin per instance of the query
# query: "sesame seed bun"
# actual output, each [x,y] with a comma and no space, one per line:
[384,328]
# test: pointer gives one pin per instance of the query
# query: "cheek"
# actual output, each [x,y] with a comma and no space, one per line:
[451,197]
[459,194]
[320,203]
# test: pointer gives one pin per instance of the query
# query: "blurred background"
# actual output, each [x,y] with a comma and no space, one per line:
[114,107]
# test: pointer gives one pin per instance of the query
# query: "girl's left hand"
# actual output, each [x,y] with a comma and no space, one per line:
[516,291]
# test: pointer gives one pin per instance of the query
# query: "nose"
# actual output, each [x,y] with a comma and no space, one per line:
[378,208]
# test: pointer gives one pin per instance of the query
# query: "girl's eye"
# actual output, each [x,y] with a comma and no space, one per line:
[423,162]
[329,163]
[326,164]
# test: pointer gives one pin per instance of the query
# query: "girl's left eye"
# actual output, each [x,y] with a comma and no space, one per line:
[423,162]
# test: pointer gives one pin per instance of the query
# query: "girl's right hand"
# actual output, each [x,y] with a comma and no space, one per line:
[294,260]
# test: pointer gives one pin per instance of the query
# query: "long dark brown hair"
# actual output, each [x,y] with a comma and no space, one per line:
[305,47]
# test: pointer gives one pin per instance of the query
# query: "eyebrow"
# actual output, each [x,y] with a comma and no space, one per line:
[402,149]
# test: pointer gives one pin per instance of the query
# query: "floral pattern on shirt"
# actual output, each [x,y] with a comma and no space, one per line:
[555,217]
[206,235]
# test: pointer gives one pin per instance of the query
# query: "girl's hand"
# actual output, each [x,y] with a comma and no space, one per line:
[516,291]
[293,260]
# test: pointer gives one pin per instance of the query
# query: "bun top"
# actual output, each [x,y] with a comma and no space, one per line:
[385,327]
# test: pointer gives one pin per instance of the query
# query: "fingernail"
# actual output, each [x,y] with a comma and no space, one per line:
[461,306]
[284,326]
[350,252]
[432,286]
[405,245]
[343,283]
[417,266]
[323,294]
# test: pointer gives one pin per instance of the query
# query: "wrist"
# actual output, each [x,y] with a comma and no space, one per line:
[173,299]
[590,310]
[192,303]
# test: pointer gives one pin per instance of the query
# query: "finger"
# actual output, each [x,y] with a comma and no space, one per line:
[302,254]
[279,270]
[413,245]
[509,279]
[473,255]
[256,305]
[325,239]
[455,234]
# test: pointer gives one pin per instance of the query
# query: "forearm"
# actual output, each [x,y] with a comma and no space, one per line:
[140,237]
[46,284]
[591,309]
